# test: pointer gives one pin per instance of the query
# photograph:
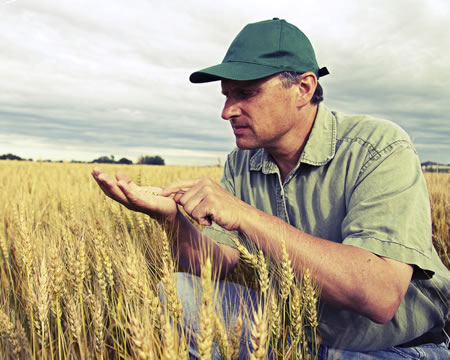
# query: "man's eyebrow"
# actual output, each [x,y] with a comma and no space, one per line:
[252,87]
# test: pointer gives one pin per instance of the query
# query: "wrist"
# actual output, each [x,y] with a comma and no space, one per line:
[246,214]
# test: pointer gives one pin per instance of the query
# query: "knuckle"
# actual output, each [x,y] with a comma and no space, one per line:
[205,180]
[189,209]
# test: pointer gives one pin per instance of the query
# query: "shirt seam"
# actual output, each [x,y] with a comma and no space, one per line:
[374,154]
[332,142]
[385,241]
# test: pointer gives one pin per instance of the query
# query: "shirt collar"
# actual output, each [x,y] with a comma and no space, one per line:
[319,149]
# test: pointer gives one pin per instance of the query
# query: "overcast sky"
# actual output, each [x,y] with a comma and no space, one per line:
[83,79]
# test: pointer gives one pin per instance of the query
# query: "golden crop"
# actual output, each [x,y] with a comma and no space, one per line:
[79,273]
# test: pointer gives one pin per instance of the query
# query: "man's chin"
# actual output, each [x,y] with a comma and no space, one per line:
[246,146]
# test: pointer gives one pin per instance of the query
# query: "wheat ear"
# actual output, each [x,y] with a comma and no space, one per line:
[275,322]
[139,340]
[263,273]
[97,318]
[310,299]
[7,331]
[287,275]
[222,337]
[168,339]
[43,301]
[170,289]
[74,317]
[246,256]
[206,314]
[259,335]
[235,339]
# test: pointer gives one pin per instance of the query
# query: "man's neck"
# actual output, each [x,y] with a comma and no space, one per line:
[287,156]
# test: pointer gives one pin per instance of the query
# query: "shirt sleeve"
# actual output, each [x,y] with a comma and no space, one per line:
[388,211]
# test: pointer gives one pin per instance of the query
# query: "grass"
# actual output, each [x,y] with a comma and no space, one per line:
[79,274]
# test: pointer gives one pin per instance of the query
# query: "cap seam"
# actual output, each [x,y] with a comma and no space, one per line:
[255,63]
[279,42]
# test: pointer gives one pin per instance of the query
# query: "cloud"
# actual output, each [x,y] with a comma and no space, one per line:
[110,76]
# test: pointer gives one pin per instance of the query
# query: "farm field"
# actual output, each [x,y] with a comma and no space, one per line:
[79,273]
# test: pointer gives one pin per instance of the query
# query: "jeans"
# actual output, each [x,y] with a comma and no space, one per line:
[231,298]
[425,351]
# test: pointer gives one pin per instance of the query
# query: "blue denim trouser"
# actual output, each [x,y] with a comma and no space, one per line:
[233,297]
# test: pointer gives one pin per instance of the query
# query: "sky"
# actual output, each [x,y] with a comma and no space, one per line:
[83,79]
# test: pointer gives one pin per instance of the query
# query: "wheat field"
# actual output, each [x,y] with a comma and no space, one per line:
[81,276]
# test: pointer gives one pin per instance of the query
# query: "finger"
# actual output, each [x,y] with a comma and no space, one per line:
[96,171]
[178,196]
[110,188]
[128,191]
[179,186]
[202,214]
[100,178]
[137,198]
[120,175]
[191,199]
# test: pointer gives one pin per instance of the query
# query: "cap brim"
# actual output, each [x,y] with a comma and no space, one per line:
[233,71]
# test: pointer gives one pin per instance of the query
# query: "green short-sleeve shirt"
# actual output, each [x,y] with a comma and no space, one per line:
[358,182]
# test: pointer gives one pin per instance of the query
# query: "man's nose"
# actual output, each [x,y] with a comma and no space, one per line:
[231,109]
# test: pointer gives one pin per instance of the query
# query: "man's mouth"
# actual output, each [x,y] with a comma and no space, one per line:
[239,129]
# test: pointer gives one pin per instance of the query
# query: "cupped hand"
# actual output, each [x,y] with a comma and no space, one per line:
[145,199]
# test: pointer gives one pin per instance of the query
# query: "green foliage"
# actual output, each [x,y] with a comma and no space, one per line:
[151,160]
[124,161]
[105,160]
[10,157]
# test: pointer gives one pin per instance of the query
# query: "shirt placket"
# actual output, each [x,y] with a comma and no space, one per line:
[281,200]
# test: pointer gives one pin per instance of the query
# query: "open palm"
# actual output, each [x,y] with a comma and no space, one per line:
[144,199]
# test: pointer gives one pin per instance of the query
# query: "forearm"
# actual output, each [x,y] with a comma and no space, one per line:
[191,246]
[349,277]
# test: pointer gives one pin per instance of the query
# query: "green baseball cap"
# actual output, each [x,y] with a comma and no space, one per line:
[262,49]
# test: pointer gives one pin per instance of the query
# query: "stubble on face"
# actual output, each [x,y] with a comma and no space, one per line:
[258,111]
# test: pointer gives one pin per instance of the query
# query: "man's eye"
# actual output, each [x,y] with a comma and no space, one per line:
[245,94]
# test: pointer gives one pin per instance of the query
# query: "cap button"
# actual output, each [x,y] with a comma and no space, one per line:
[275,18]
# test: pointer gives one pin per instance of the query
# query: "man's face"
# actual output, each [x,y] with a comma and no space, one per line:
[261,112]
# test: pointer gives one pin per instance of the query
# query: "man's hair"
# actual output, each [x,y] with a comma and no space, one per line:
[289,78]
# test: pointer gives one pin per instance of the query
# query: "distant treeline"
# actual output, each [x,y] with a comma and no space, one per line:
[143,160]
[431,166]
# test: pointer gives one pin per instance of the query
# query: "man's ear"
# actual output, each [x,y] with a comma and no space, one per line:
[306,88]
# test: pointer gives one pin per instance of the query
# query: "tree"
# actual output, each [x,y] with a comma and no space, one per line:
[104,160]
[151,160]
[124,161]
[10,157]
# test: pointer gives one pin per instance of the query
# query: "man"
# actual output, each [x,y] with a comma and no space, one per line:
[346,193]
